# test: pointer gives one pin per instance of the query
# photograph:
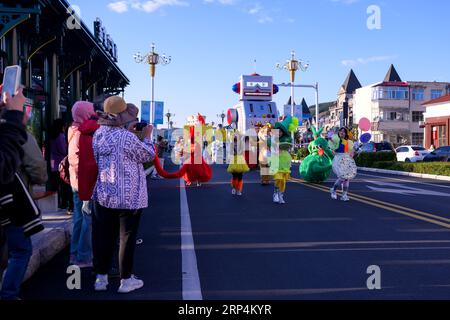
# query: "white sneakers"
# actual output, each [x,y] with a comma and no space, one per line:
[281,198]
[235,192]
[101,283]
[131,284]
[333,194]
[126,285]
[276,197]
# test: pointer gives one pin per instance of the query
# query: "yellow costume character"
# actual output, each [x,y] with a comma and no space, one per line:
[237,167]
[280,162]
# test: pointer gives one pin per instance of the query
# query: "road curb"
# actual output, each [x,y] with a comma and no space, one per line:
[46,245]
[408,174]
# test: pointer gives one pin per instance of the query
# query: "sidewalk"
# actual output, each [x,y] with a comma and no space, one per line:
[55,237]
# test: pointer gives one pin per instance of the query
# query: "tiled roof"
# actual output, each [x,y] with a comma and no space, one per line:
[438,100]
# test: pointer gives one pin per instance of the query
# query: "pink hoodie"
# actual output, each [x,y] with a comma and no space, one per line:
[81,111]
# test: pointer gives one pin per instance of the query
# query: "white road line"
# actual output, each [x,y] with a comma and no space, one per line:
[403,180]
[191,281]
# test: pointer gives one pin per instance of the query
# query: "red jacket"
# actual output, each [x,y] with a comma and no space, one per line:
[87,168]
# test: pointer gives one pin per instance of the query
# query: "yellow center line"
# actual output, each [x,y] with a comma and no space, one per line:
[387,206]
[382,202]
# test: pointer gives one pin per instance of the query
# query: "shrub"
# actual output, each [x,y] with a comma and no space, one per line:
[367,159]
[435,168]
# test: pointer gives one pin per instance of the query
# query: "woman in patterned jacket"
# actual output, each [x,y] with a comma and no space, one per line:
[120,193]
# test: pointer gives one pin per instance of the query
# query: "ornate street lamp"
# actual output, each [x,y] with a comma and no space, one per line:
[152,58]
[222,116]
[293,65]
[169,116]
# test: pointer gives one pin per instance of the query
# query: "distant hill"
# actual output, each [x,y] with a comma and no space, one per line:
[323,107]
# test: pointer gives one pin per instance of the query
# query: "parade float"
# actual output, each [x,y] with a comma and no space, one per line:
[255,108]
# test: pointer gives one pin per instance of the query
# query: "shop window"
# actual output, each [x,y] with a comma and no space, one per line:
[417,116]
[417,139]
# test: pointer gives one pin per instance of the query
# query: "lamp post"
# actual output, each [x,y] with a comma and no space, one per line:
[293,65]
[169,116]
[152,58]
[222,116]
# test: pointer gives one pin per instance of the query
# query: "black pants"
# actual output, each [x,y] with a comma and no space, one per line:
[65,196]
[107,226]
[3,251]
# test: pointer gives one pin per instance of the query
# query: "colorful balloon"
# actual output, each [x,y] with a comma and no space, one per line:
[365,138]
[364,124]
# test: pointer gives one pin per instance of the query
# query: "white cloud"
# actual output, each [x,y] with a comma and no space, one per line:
[224,2]
[346,1]
[146,6]
[359,61]
[256,9]
[265,19]
[119,6]
[260,12]
[228,2]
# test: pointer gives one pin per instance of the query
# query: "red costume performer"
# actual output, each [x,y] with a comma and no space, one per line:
[190,171]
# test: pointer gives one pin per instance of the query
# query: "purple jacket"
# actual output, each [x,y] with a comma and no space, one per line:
[58,151]
[121,181]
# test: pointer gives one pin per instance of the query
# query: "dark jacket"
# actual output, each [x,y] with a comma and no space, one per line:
[17,207]
[12,137]
[16,203]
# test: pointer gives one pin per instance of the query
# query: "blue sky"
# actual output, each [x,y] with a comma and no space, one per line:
[213,42]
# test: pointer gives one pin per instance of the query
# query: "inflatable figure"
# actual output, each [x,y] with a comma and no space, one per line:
[316,167]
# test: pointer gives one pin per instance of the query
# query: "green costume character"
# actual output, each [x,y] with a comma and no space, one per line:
[280,162]
[317,166]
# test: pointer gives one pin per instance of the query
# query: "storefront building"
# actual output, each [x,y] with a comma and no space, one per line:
[62,61]
[437,122]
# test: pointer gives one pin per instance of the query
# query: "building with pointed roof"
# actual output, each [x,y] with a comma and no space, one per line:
[350,84]
[306,113]
[341,113]
[395,107]
[392,75]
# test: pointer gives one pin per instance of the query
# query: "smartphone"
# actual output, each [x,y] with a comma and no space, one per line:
[11,79]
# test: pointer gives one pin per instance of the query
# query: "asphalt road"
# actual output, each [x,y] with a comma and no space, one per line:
[204,243]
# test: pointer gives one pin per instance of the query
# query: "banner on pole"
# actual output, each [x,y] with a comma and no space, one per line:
[145,111]
[158,113]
